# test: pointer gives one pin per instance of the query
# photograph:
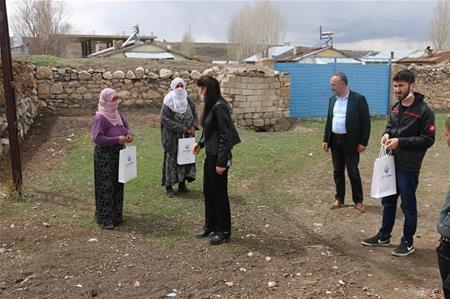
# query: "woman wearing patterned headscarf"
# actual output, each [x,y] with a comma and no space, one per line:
[178,119]
[110,132]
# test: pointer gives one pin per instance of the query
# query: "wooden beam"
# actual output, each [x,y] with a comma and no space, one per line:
[8,85]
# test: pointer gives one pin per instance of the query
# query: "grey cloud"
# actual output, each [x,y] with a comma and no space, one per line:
[351,20]
[356,20]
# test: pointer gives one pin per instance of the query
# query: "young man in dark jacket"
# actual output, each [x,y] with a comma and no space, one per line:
[409,133]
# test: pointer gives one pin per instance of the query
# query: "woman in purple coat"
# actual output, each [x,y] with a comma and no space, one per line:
[110,132]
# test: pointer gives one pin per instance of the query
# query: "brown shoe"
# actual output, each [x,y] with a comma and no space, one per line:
[337,204]
[360,207]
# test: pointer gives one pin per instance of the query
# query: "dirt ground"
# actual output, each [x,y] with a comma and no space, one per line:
[305,251]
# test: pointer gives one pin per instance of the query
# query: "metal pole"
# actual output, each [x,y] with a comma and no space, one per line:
[8,85]
[389,86]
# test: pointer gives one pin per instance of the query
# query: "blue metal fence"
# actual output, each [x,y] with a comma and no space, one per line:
[310,88]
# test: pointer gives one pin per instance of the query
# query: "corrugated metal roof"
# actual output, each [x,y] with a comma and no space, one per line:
[302,53]
[276,51]
[435,57]
[163,49]
[272,52]
[289,55]
[385,56]
[252,58]
[225,62]
[150,55]
[323,60]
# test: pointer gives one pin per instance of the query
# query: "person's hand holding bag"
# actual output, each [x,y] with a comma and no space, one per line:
[196,149]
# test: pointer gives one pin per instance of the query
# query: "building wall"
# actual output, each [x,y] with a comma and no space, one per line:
[150,49]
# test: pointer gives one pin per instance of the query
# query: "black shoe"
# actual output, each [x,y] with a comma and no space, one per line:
[204,233]
[219,238]
[119,222]
[403,250]
[182,188]
[375,241]
[169,191]
[108,227]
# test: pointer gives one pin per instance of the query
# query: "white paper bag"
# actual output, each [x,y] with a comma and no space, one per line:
[127,164]
[383,179]
[185,155]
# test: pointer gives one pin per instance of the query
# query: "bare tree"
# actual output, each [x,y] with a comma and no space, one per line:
[42,25]
[187,43]
[440,25]
[255,29]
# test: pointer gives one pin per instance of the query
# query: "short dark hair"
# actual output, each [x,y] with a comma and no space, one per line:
[405,76]
[341,76]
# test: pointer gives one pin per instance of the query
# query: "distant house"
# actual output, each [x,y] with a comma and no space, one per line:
[225,62]
[17,46]
[91,43]
[324,55]
[357,54]
[428,57]
[148,50]
[22,49]
[386,56]
[273,52]
[207,52]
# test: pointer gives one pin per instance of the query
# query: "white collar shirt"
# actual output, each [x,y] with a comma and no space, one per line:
[339,115]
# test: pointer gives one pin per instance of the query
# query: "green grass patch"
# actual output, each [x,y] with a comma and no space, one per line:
[43,60]
[265,167]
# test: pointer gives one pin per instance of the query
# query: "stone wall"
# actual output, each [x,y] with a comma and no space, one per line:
[259,97]
[26,99]
[433,82]
[72,88]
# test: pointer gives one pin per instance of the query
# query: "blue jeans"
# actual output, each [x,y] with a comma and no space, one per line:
[407,182]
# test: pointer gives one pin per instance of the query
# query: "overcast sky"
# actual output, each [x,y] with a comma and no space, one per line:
[358,24]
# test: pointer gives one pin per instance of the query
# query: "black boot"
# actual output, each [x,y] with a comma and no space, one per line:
[169,191]
[182,187]
[219,238]
[204,233]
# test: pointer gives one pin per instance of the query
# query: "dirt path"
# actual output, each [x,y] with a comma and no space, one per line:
[306,250]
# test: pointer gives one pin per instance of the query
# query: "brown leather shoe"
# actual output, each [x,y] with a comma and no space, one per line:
[337,204]
[360,207]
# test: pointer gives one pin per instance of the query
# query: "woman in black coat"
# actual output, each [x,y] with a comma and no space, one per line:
[218,138]
[178,120]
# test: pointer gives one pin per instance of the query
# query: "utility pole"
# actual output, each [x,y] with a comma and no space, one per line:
[8,85]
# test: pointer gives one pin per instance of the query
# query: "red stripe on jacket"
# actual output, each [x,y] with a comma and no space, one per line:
[413,114]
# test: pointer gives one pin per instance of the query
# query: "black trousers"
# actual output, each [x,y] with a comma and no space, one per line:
[344,156]
[443,254]
[108,191]
[217,203]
